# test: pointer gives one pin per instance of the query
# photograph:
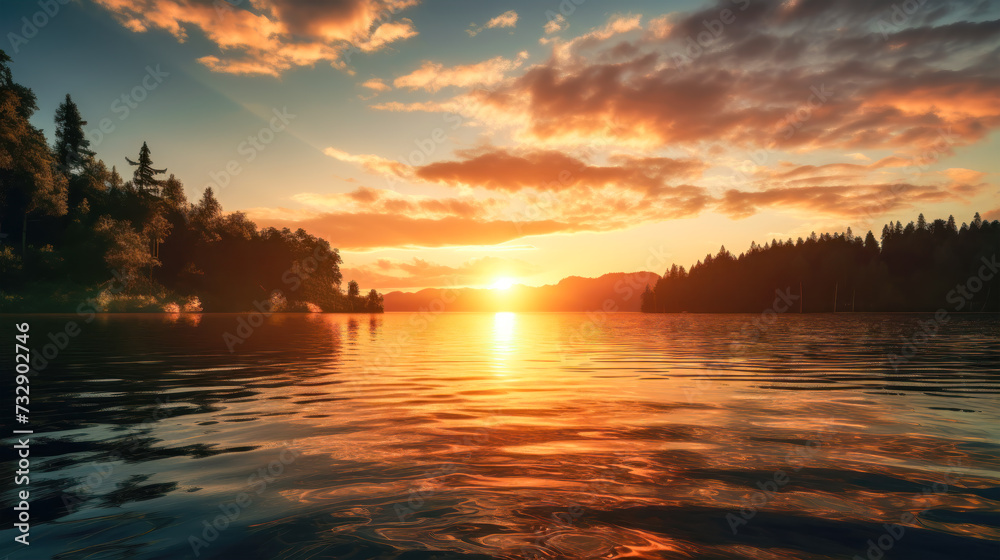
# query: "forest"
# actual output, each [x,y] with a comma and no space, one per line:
[923,266]
[74,233]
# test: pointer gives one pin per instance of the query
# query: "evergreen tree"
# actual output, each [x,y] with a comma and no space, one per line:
[912,270]
[29,183]
[144,176]
[871,246]
[72,146]
[173,193]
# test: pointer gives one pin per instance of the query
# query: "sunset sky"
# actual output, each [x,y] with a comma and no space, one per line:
[446,143]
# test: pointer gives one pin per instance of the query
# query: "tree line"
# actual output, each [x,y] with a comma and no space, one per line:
[70,228]
[923,266]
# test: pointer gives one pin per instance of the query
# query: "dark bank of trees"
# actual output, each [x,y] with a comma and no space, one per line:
[923,266]
[73,231]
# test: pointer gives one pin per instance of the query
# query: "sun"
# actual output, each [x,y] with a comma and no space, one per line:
[502,284]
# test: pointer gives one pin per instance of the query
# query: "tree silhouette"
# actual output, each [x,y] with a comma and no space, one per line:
[29,182]
[72,146]
[144,176]
[914,269]
[373,303]
[93,225]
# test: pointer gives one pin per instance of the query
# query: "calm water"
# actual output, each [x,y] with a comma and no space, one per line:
[514,436]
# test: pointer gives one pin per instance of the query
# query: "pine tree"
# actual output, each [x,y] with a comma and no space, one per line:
[72,147]
[29,182]
[144,177]
[173,193]
[870,244]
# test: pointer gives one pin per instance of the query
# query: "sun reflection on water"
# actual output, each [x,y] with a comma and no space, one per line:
[504,325]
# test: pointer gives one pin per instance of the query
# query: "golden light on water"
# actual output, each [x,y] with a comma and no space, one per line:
[504,325]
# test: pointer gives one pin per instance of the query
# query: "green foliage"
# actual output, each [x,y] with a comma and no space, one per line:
[913,270]
[90,230]
[126,248]
[29,182]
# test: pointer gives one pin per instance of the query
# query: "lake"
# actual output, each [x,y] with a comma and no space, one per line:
[560,435]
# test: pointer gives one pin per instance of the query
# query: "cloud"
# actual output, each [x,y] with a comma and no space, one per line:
[370,162]
[556,24]
[420,273]
[271,36]
[511,171]
[368,231]
[992,215]
[506,19]
[376,84]
[544,193]
[433,76]
[504,170]
[845,201]
[757,83]
[388,33]
[383,201]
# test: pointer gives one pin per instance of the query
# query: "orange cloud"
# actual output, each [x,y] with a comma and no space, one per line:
[846,201]
[753,83]
[503,170]
[367,231]
[419,273]
[275,35]
[556,24]
[371,162]
[376,84]
[506,19]
[433,76]
[366,199]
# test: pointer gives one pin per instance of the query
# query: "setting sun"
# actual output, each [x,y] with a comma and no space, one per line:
[502,284]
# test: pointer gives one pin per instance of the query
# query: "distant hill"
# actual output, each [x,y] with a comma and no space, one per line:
[619,291]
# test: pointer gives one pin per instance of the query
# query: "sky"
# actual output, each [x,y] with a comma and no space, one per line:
[456,143]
